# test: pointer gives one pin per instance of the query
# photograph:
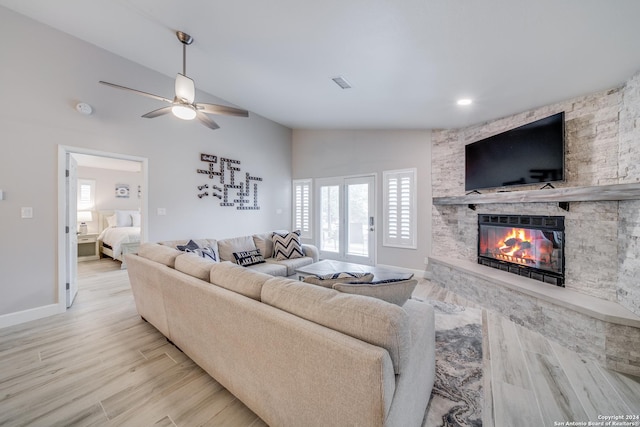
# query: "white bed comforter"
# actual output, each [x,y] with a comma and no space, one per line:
[116,236]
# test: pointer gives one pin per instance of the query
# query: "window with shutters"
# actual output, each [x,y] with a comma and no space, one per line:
[400,208]
[302,207]
[86,194]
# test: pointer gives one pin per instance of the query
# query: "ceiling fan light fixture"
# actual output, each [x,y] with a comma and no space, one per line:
[184,112]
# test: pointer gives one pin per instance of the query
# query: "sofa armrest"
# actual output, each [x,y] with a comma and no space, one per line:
[311,251]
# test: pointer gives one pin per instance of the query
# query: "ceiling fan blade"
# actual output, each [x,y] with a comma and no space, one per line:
[159,112]
[185,88]
[221,109]
[205,120]
[139,92]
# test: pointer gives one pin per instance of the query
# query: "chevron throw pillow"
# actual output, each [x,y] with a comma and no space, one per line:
[287,246]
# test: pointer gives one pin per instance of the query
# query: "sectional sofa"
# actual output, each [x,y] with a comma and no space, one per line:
[295,353]
[224,250]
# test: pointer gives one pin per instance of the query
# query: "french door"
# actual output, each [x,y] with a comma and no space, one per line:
[345,212]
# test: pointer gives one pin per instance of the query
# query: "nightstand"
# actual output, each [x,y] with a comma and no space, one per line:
[88,247]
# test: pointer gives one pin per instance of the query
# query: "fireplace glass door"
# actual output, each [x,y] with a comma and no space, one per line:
[531,246]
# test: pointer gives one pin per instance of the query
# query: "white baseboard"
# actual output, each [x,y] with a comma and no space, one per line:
[19,317]
[417,273]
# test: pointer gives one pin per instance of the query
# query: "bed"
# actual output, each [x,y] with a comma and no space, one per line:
[119,233]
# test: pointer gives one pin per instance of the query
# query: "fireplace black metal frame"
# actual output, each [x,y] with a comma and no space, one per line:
[535,222]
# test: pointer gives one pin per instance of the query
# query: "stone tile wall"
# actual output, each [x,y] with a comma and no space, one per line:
[602,147]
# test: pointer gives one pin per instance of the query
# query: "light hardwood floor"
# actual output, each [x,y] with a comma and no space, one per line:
[100,364]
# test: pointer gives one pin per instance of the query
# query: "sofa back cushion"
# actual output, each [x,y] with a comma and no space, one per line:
[227,247]
[371,320]
[194,265]
[264,242]
[233,277]
[159,253]
[202,243]
[395,292]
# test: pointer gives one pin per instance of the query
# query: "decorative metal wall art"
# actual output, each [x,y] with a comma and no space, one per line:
[122,191]
[234,189]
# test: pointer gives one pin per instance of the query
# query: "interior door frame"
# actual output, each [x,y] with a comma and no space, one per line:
[62,222]
[71,238]
[341,181]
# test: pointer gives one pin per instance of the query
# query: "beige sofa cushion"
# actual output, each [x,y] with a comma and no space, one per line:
[394,292]
[268,267]
[159,253]
[371,320]
[212,243]
[194,265]
[291,264]
[238,279]
[227,247]
[264,242]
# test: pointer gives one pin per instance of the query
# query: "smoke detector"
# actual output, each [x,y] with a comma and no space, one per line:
[84,108]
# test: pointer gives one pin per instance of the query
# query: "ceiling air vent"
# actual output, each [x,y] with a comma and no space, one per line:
[342,82]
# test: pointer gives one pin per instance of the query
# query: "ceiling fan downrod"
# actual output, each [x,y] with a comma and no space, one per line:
[186,40]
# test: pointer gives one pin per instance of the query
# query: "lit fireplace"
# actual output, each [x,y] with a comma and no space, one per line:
[527,245]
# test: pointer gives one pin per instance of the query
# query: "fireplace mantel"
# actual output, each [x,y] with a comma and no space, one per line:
[597,193]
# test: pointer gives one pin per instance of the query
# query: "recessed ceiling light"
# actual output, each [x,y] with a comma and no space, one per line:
[342,82]
[464,101]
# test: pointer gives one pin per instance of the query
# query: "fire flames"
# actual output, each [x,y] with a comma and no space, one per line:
[526,247]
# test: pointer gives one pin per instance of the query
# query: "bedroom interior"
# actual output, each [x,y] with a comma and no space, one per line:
[117,185]
[535,357]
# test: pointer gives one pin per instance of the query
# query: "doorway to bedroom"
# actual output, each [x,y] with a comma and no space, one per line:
[103,208]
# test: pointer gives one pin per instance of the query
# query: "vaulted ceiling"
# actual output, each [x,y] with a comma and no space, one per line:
[408,61]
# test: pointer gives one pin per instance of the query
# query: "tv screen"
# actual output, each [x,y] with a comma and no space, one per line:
[529,154]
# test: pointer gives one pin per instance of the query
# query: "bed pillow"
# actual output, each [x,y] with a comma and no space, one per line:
[112,221]
[135,219]
[123,218]
[287,245]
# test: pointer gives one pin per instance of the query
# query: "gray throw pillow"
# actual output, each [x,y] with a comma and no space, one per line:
[397,292]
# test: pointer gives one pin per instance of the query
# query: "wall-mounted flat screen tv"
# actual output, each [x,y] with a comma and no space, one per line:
[529,154]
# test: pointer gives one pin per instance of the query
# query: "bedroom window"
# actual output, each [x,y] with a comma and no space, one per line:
[86,194]
[400,208]
[302,207]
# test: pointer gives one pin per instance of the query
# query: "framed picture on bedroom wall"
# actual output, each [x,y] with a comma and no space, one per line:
[122,191]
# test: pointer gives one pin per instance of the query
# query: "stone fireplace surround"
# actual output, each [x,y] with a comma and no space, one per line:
[598,313]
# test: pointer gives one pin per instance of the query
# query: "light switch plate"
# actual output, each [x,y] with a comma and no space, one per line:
[26,212]
[1,195]
[162,211]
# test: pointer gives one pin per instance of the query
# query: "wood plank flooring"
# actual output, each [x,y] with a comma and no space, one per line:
[532,381]
[100,364]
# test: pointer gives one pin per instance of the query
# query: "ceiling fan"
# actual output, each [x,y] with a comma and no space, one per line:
[183,104]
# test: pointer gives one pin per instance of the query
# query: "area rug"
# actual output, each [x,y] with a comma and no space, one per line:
[457,397]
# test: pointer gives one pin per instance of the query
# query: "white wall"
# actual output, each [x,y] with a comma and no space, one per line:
[44,73]
[320,154]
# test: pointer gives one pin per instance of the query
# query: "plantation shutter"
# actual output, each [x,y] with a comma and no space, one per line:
[302,207]
[400,208]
